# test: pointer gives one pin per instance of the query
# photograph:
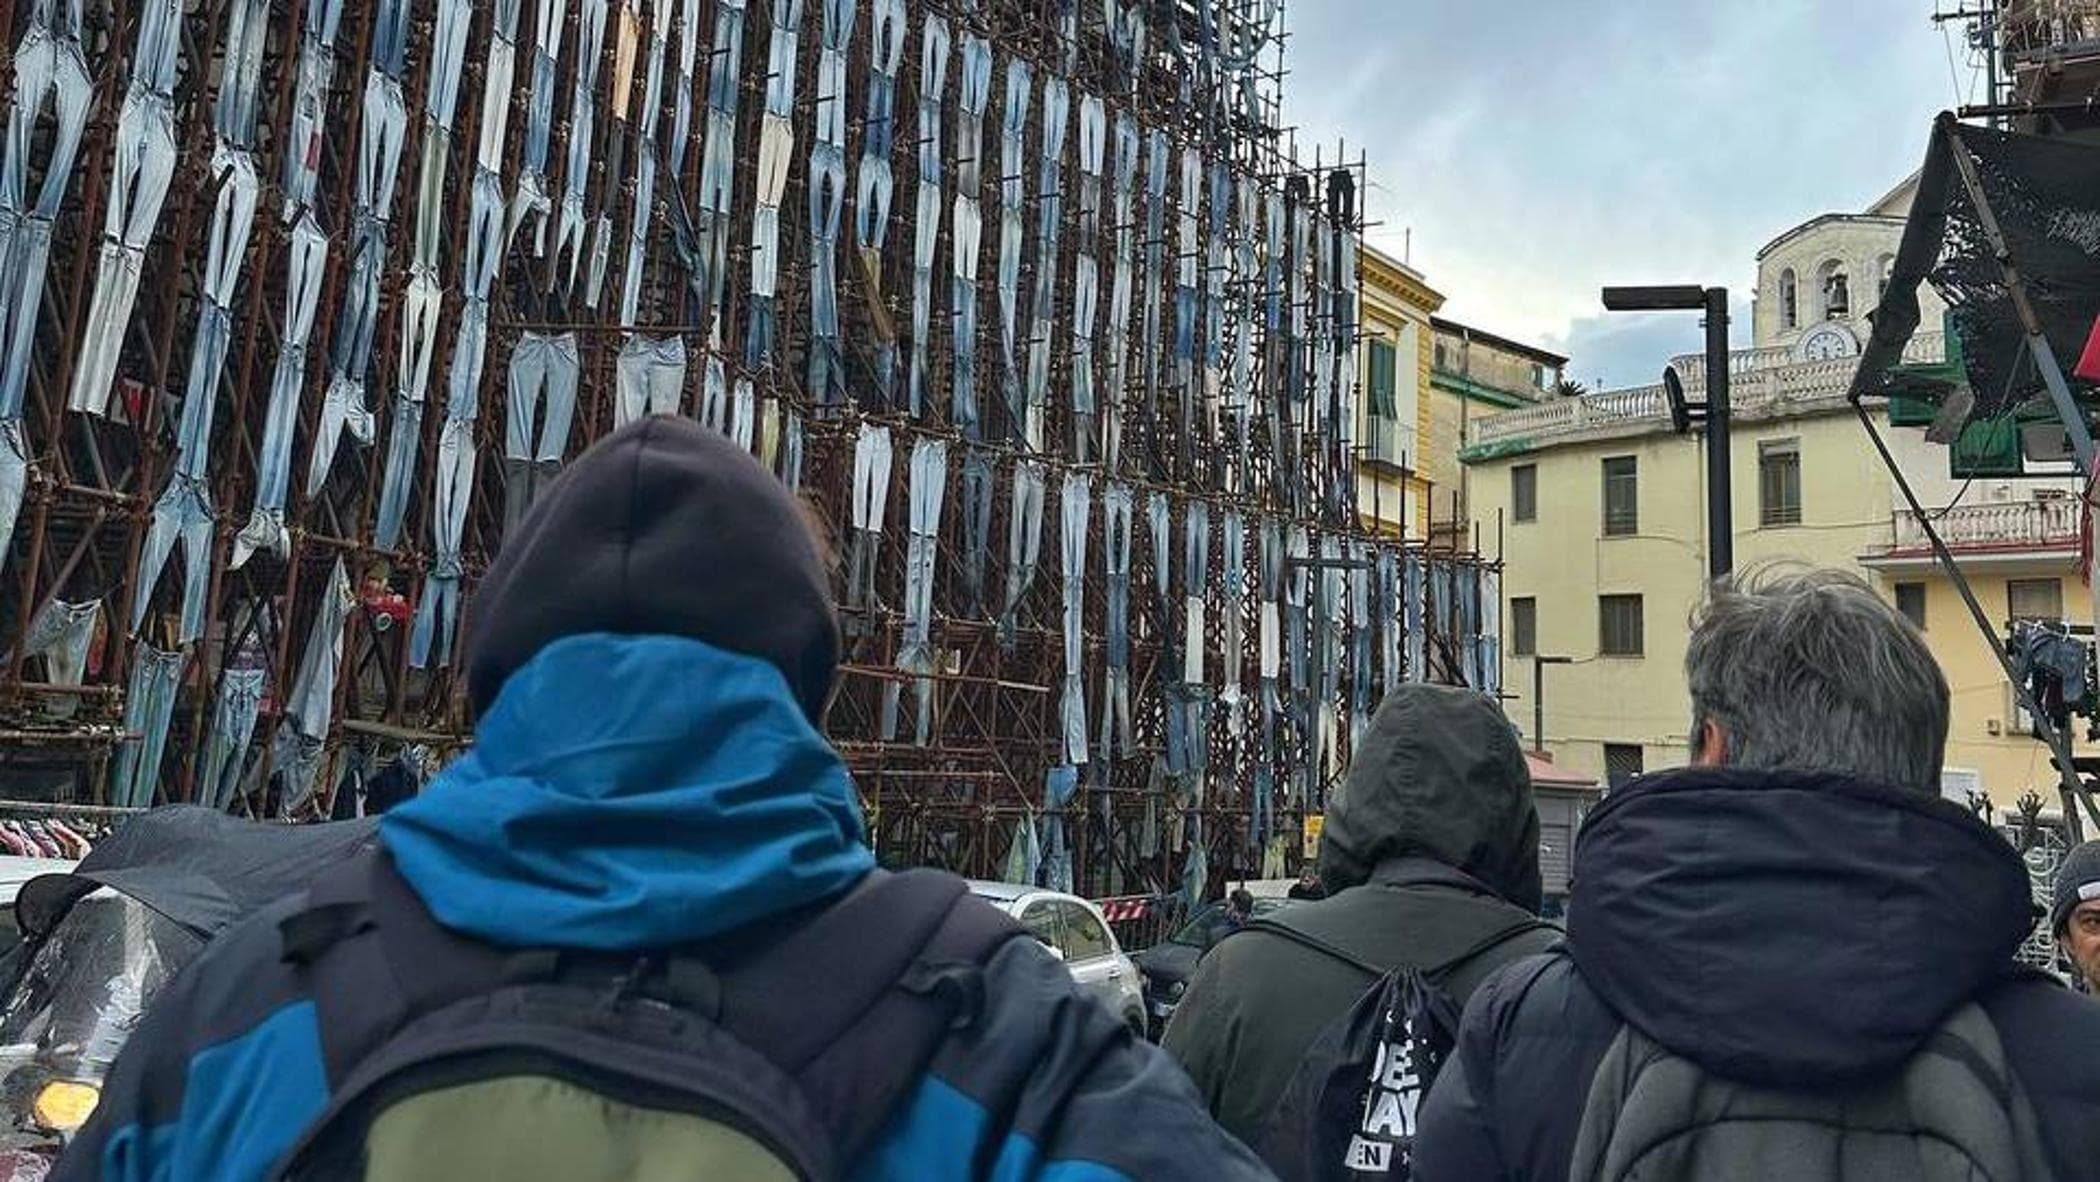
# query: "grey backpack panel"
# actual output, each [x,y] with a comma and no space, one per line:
[1954,1112]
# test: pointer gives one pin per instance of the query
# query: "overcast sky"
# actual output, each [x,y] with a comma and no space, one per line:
[1539,149]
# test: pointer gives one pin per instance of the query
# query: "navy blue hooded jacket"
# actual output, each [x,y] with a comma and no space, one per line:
[1782,929]
[636,793]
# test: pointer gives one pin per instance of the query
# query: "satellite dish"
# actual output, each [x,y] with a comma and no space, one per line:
[1680,411]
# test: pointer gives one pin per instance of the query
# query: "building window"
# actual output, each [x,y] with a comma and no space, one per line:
[1524,492]
[1622,496]
[1622,762]
[2034,599]
[1441,362]
[1395,392]
[1542,377]
[1836,289]
[1779,482]
[1619,625]
[1910,600]
[1789,300]
[1523,627]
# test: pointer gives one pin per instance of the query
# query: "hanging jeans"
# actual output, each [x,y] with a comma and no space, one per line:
[1078,508]
[929,483]
[1235,588]
[651,378]
[1417,633]
[977,529]
[1387,611]
[933,84]
[743,413]
[791,453]
[437,616]
[827,199]
[232,730]
[870,499]
[1024,545]
[1012,199]
[1362,636]
[49,63]
[149,706]
[1490,632]
[61,634]
[183,514]
[306,264]
[308,133]
[1159,523]
[775,145]
[14,479]
[533,446]
[975,87]
[145,166]
[419,322]
[1116,504]
[312,697]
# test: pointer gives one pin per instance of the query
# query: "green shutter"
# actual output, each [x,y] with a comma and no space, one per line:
[1382,377]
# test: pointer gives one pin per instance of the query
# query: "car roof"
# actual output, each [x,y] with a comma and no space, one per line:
[1004,892]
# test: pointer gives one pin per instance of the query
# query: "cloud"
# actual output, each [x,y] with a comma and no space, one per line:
[1528,152]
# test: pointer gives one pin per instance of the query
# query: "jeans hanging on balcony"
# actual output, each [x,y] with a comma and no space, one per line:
[1235,589]
[1362,635]
[926,223]
[1078,506]
[876,183]
[1024,545]
[1158,517]
[1466,586]
[682,86]
[1490,632]
[1153,286]
[532,200]
[533,445]
[827,200]
[232,731]
[1411,593]
[718,155]
[1116,502]
[870,502]
[138,185]
[929,483]
[419,322]
[305,266]
[62,633]
[1086,278]
[1013,197]
[1192,697]
[437,615]
[791,452]
[967,236]
[149,706]
[743,413]
[1042,311]
[1125,229]
[977,482]
[182,514]
[1190,257]
[312,697]
[638,230]
[651,378]
[776,145]
[1390,630]
[583,118]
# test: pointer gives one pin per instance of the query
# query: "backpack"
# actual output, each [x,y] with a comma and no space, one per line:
[448,1058]
[1349,1111]
[1953,1112]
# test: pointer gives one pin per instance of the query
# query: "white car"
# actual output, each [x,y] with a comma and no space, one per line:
[1074,932]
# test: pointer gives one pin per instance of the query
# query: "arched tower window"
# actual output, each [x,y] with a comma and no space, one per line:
[1835,287]
[1789,301]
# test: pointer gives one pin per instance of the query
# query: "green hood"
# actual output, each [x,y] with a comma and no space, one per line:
[1439,775]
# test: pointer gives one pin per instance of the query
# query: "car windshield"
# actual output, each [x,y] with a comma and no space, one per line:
[1205,927]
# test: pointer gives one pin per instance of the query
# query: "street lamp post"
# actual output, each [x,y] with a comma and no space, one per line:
[1538,697]
[1720,497]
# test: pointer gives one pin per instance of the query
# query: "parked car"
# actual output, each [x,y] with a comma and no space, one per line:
[1167,966]
[101,938]
[1074,932]
[14,872]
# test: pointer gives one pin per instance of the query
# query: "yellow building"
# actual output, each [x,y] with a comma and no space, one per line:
[1605,544]
[1474,374]
[1393,490]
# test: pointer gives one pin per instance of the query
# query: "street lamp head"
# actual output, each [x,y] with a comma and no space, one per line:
[1669,297]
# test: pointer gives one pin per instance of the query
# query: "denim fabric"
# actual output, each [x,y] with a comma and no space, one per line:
[1490,632]
[714,388]
[1386,610]
[1298,595]
[1078,506]
[639,230]
[929,483]
[967,237]
[1363,635]
[1269,590]
[718,153]
[182,514]
[14,478]
[651,378]
[62,633]
[1159,520]
[311,700]
[933,86]
[533,446]
[1024,544]
[437,616]
[1412,590]
[743,413]
[1027,423]
[1086,279]
[1124,226]
[226,743]
[1196,580]
[872,455]
[149,706]
[1116,503]
[49,65]
[1155,279]
[1042,312]
[682,85]
[583,119]
[240,76]
[1188,252]
[776,147]
[827,201]
[532,199]
[145,166]
[1235,594]
[791,452]
[977,530]
[306,263]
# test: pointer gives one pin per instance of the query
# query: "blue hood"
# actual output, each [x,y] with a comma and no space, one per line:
[630,792]
[1790,927]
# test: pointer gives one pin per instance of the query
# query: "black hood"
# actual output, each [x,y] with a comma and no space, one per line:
[1439,775]
[1790,927]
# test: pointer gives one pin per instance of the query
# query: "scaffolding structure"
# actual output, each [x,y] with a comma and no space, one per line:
[784,218]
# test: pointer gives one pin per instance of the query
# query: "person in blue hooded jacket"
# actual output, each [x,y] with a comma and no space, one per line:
[1797,915]
[647,660]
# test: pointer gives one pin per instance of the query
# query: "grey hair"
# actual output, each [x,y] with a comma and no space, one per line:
[1808,668]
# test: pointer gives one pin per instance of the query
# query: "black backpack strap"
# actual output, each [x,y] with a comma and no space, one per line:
[1435,972]
[855,1003]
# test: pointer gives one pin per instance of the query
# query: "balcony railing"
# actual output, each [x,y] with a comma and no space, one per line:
[1760,380]
[2044,524]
